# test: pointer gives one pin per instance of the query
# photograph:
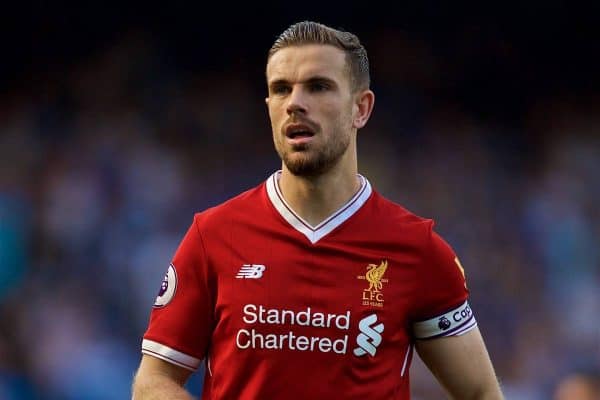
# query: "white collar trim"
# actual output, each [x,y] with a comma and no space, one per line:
[315,233]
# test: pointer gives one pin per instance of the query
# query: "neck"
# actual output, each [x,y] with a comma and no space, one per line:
[316,198]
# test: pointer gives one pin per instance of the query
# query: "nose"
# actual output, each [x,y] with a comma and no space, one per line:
[297,101]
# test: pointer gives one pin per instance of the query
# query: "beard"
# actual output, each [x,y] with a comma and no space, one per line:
[310,160]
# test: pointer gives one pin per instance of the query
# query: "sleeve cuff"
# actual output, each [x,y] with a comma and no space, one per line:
[170,355]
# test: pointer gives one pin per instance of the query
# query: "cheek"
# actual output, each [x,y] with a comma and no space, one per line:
[331,113]
[345,116]
[276,124]
[274,115]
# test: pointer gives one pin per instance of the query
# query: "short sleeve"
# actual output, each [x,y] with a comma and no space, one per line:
[181,319]
[442,299]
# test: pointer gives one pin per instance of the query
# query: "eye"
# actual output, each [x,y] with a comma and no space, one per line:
[280,89]
[318,87]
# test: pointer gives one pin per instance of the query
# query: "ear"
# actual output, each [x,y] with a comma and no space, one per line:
[362,108]
[266,100]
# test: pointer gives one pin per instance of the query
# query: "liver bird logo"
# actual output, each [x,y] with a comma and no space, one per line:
[375,275]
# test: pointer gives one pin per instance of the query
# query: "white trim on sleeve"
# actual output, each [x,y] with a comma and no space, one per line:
[170,355]
[452,323]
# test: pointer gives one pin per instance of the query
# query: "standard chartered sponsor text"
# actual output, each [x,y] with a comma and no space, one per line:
[259,337]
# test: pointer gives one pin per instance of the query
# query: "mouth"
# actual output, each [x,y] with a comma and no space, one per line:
[299,133]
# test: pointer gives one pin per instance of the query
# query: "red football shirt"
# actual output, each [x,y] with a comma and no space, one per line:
[280,309]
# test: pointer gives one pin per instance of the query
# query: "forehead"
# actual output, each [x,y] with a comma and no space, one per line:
[298,63]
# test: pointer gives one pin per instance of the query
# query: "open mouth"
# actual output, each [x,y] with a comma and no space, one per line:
[299,132]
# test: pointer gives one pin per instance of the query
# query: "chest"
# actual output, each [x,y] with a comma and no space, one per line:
[277,281]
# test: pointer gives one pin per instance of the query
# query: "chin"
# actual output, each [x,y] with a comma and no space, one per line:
[306,166]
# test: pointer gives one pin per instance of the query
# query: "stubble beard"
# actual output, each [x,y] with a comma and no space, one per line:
[308,160]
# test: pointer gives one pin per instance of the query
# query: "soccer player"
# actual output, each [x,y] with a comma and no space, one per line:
[312,285]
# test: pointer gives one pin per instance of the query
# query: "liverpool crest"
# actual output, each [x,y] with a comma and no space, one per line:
[373,294]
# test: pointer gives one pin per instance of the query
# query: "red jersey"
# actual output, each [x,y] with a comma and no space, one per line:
[280,309]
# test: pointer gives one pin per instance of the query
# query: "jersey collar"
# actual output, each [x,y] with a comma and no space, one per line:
[315,233]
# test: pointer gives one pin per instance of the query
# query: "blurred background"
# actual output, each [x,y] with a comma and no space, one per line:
[119,121]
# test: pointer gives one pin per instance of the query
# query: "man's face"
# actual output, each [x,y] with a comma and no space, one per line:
[310,105]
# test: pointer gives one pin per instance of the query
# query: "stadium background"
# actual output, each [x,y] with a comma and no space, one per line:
[118,122]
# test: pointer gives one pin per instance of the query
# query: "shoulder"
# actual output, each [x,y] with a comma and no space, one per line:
[398,211]
[397,218]
[419,231]
[247,203]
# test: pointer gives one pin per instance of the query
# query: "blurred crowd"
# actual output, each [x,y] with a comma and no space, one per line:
[104,162]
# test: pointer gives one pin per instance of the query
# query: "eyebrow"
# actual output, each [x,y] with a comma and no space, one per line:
[313,79]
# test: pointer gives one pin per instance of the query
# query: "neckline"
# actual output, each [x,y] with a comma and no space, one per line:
[316,233]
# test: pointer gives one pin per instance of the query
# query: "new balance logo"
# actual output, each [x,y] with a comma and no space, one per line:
[370,337]
[251,271]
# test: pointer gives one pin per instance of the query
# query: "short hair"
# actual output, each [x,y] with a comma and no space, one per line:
[309,32]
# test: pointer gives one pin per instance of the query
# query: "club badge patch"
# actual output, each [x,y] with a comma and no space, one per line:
[167,288]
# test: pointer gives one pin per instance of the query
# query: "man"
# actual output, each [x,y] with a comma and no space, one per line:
[312,285]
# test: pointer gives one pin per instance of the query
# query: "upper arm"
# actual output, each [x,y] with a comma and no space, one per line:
[462,365]
[152,366]
[447,338]
[172,335]
[158,379]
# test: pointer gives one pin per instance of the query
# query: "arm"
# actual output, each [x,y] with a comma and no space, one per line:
[159,380]
[462,366]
